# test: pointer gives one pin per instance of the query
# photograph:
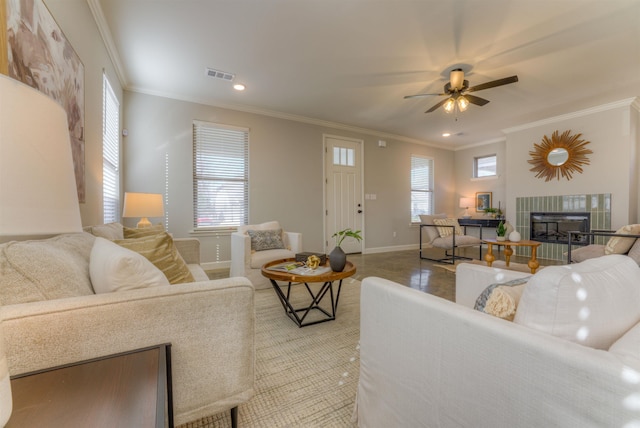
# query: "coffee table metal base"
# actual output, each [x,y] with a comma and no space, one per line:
[316,299]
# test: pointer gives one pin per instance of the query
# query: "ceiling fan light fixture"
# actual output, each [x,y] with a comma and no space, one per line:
[463,103]
[456,78]
[449,105]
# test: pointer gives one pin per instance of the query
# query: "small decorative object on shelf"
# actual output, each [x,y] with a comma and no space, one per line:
[337,257]
[501,231]
[515,236]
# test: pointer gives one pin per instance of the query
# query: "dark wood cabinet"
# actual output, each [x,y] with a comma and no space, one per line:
[131,389]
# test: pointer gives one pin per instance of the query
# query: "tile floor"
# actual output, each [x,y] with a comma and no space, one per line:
[406,267]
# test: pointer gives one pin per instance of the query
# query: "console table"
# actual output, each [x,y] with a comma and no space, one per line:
[131,389]
[484,222]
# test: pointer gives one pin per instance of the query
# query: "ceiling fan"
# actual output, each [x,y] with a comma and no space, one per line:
[457,90]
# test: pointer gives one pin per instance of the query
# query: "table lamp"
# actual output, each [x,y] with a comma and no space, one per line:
[143,205]
[38,195]
[466,203]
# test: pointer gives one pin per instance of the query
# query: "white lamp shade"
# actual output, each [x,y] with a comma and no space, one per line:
[38,193]
[143,205]
[466,202]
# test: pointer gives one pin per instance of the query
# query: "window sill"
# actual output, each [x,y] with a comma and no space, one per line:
[491,177]
[212,232]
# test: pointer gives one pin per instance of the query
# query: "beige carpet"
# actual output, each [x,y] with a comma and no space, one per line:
[305,377]
[522,267]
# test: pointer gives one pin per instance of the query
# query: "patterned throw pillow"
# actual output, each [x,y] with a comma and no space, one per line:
[161,251]
[266,239]
[484,296]
[447,231]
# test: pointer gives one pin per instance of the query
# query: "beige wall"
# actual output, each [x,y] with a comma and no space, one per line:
[286,172]
[468,186]
[612,165]
[77,23]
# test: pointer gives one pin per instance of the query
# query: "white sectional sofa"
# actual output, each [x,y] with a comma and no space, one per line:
[429,362]
[210,324]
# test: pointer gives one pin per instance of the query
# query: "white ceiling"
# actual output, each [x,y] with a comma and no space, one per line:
[352,61]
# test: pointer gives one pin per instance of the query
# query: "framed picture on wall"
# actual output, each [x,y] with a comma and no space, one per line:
[483,201]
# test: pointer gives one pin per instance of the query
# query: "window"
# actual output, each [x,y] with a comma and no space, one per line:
[220,175]
[421,187]
[485,166]
[110,154]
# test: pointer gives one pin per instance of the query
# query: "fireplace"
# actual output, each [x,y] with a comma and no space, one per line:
[554,227]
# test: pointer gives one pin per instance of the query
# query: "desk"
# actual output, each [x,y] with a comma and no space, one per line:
[327,288]
[122,390]
[508,251]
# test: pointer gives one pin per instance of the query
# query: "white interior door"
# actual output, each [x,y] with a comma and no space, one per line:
[343,197]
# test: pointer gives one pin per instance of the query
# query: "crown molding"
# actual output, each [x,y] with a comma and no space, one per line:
[627,102]
[289,116]
[107,38]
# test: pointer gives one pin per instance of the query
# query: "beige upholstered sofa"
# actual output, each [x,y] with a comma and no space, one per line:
[210,324]
[570,358]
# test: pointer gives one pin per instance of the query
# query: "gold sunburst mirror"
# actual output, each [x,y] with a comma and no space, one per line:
[559,156]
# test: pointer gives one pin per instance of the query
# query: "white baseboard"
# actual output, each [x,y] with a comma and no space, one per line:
[390,249]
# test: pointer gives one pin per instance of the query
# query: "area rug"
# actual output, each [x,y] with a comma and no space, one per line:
[305,377]
[522,267]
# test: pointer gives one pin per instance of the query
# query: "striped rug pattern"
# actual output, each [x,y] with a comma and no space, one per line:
[305,377]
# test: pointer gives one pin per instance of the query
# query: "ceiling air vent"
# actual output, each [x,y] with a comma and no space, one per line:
[217,74]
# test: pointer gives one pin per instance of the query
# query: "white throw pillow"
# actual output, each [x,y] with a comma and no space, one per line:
[114,268]
[592,303]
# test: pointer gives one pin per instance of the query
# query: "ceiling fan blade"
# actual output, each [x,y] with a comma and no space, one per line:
[435,107]
[493,84]
[476,100]
[422,95]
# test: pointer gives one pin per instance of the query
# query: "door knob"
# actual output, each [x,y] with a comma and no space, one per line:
[359,211]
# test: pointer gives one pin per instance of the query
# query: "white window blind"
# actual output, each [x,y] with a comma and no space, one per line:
[485,166]
[220,175]
[110,154]
[421,187]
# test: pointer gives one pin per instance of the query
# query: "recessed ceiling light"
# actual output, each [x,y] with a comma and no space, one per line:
[446,134]
[239,87]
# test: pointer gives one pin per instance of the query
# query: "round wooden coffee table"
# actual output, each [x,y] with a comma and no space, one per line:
[327,278]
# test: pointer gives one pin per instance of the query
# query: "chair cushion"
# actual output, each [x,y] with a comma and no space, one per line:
[445,231]
[259,258]
[592,303]
[587,252]
[431,232]
[461,241]
[262,240]
[628,346]
[115,268]
[160,250]
[622,245]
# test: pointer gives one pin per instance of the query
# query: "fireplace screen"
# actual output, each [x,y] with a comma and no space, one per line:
[555,227]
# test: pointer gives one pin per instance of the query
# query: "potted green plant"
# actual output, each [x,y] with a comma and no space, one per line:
[501,231]
[337,257]
[491,212]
